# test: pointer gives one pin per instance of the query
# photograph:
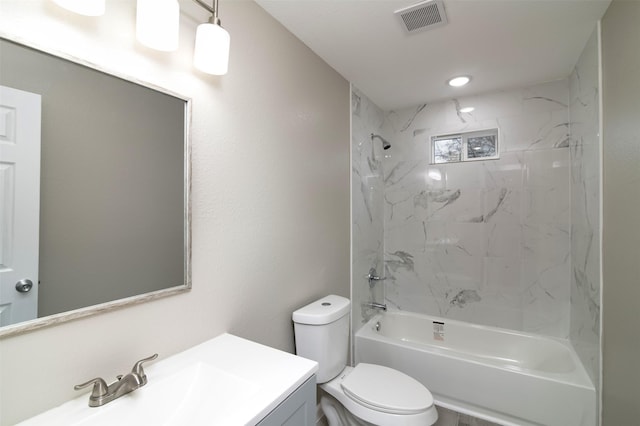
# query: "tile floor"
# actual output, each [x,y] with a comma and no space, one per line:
[445,418]
[452,418]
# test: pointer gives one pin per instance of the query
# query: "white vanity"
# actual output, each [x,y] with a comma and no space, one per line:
[224,381]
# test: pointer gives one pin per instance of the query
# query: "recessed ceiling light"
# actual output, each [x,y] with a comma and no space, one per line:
[459,81]
[467,109]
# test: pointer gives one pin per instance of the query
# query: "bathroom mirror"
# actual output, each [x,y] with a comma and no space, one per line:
[95,214]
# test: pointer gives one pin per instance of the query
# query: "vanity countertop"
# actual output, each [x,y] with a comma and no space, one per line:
[226,380]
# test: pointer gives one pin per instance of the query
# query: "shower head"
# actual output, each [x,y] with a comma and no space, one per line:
[385,143]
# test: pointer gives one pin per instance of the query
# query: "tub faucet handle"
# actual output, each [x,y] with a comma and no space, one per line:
[373,277]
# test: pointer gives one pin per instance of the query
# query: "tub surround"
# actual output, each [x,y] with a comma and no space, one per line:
[367,209]
[485,241]
[586,168]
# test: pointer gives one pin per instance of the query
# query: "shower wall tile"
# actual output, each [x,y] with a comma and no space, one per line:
[467,240]
[367,205]
[463,239]
[585,213]
[546,296]
[506,172]
[503,239]
[460,205]
[535,131]
[502,205]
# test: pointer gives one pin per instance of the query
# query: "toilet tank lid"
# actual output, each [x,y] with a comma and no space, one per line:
[324,311]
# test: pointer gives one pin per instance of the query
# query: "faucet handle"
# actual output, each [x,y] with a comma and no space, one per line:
[99,387]
[373,277]
[137,368]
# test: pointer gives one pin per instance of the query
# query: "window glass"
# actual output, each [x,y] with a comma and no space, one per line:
[447,150]
[481,146]
[471,146]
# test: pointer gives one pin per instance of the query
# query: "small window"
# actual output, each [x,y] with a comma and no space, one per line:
[471,146]
[447,149]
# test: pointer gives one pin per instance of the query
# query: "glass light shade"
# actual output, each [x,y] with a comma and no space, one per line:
[158,24]
[83,7]
[212,49]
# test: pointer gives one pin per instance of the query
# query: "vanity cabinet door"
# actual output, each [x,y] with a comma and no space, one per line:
[299,409]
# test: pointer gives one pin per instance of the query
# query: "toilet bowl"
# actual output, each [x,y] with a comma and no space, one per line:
[366,394]
[382,396]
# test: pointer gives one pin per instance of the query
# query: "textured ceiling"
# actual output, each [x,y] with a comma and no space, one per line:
[500,43]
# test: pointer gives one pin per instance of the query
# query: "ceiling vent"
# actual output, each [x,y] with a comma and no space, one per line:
[422,16]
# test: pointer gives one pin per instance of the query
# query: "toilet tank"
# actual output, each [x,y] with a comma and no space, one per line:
[322,334]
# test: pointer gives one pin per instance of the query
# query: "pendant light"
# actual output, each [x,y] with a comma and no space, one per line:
[211,54]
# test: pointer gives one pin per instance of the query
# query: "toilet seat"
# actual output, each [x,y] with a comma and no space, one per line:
[375,409]
[387,390]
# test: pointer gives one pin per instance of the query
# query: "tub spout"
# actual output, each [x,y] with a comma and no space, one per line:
[374,305]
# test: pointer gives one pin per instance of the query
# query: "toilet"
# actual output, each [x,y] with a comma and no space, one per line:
[366,394]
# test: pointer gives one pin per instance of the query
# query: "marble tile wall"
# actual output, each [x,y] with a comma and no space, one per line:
[367,188]
[485,241]
[585,211]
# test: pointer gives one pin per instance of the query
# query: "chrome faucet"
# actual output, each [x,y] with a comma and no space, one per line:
[374,305]
[102,393]
[373,278]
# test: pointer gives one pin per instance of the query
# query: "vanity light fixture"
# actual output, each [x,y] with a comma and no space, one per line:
[157,24]
[459,81]
[467,109]
[211,53]
[83,7]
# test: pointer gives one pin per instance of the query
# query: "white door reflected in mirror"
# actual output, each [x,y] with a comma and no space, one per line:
[20,122]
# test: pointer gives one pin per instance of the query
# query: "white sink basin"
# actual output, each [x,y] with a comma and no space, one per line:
[194,395]
[225,381]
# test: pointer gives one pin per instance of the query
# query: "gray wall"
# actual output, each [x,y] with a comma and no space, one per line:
[111,192]
[621,238]
[270,196]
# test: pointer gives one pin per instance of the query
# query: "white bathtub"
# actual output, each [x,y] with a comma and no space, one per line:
[510,378]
